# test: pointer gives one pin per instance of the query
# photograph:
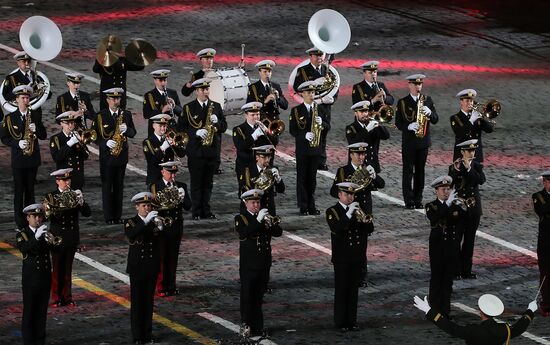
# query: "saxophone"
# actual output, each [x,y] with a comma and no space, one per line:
[29,135]
[118,137]
[315,128]
[210,128]
[421,118]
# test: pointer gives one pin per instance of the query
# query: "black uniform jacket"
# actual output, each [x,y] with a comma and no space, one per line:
[364,195]
[154,155]
[115,75]
[363,92]
[245,183]
[307,73]
[192,119]
[467,183]
[186,91]
[406,114]
[143,254]
[464,130]
[258,93]
[446,224]
[153,102]
[175,213]
[105,127]
[356,133]
[15,79]
[348,236]
[244,142]
[37,265]
[65,222]
[255,241]
[65,156]
[488,332]
[300,123]
[66,102]
[13,130]
[541,203]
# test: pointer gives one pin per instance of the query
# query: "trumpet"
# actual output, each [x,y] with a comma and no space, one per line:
[270,220]
[362,216]
[52,239]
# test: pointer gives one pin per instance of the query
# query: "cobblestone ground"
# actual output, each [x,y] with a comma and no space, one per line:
[455,46]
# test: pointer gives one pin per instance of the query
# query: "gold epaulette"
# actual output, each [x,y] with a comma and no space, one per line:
[539,197]
[457,119]
[333,210]
[350,129]
[240,132]
[361,92]
[245,221]
[253,87]
[303,73]
[340,175]
[151,100]
[148,146]
[55,142]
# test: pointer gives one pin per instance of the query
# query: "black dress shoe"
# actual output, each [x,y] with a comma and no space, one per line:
[323,167]
[343,329]
[409,206]
[218,171]
[110,222]
[354,328]
[303,212]
[418,206]
[458,277]
[209,216]
[70,303]
[195,218]
[469,276]
[314,212]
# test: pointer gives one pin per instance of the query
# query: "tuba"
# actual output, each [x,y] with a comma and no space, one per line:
[421,118]
[210,128]
[118,137]
[29,135]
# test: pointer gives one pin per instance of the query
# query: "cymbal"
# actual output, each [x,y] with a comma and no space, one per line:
[108,50]
[140,52]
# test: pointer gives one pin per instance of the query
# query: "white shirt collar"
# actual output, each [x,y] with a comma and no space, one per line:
[166,182]
[369,83]
[465,113]
[142,218]
[161,91]
[354,166]
[441,201]
[33,229]
[158,136]
[259,168]
[414,97]
[345,207]
[73,95]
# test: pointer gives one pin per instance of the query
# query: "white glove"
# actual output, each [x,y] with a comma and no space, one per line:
[422,304]
[123,128]
[413,126]
[181,192]
[371,171]
[276,174]
[72,141]
[257,133]
[32,127]
[40,231]
[533,306]
[150,216]
[79,196]
[165,145]
[309,136]
[202,133]
[214,118]
[451,198]
[351,208]
[23,144]
[318,120]
[261,214]
[475,115]
[327,99]
[372,125]
[111,143]
[427,111]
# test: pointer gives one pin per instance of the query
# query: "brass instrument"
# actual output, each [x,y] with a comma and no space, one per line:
[384,115]
[169,101]
[316,128]
[265,180]
[465,203]
[63,201]
[421,118]
[275,94]
[52,239]
[489,110]
[362,216]
[329,81]
[180,139]
[361,177]
[80,103]
[274,127]
[163,221]
[29,135]
[167,198]
[270,220]
[118,137]
[87,136]
[210,128]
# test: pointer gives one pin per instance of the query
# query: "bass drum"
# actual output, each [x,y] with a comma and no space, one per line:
[229,87]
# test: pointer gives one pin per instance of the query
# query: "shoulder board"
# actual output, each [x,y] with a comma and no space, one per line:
[335,213]
[151,100]
[350,129]
[245,221]
[457,120]
[539,197]
[253,87]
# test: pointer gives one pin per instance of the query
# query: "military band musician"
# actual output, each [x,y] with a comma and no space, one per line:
[267,92]
[161,99]
[370,89]
[76,100]
[541,205]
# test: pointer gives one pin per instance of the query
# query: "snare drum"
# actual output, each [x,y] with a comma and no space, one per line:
[229,87]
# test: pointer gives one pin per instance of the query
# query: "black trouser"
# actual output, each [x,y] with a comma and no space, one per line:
[142,291]
[202,175]
[443,261]
[543,253]
[306,181]
[253,282]
[23,193]
[219,152]
[347,278]
[112,189]
[36,295]
[323,143]
[169,253]
[414,161]
[468,240]
[62,269]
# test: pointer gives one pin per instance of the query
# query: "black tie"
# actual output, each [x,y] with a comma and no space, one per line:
[28,76]
[204,107]
[169,184]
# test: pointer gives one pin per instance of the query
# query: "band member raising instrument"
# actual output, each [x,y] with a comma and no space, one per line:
[23,75]
[63,207]
[467,176]
[307,121]
[317,68]
[261,175]
[362,173]
[21,131]
[541,204]
[446,216]
[76,100]
[142,232]
[255,228]
[348,233]
[468,123]
[161,99]
[34,242]
[202,118]
[366,129]
[113,126]
[160,147]
[415,113]
[267,92]
[171,198]
[206,59]
[68,148]
[370,89]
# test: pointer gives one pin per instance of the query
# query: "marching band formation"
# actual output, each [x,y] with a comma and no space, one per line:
[194,130]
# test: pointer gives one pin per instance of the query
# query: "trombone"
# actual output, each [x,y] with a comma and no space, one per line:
[489,110]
